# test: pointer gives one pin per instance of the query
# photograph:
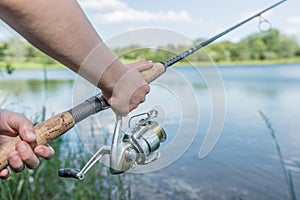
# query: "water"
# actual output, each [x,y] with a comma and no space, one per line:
[244,164]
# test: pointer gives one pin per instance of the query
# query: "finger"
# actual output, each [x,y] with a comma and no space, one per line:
[15,123]
[133,106]
[15,162]
[44,151]
[26,130]
[141,65]
[27,155]
[4,173]
[138,97]
[126,86]
[146,88]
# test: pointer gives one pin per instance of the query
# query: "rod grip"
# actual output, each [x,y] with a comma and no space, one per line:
[45,133]
[153,73]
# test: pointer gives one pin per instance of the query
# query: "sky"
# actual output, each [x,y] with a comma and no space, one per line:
[192,19]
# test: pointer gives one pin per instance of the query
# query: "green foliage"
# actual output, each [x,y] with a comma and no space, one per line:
[138,53]
[18,50]
[5,65]
[3,48]
[262,46]
[32,54]
[268,46]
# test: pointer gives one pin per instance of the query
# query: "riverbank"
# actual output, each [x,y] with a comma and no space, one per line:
[35,65]
[242,62]
[32,65]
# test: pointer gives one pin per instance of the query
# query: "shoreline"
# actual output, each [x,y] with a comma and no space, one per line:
[34,65]
[242,63]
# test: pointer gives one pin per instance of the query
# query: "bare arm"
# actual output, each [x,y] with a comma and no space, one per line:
[61,30]
[58,28]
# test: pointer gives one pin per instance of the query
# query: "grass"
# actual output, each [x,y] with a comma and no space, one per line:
[43,182]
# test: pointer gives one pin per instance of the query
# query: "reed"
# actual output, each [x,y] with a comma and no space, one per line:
[287,173]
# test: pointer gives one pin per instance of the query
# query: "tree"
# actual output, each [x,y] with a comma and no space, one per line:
[271,40]
[288,47]
[257,47]
[240,51]
[3,48]
[5,65]
[30,53]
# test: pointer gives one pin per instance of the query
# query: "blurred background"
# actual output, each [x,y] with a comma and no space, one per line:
[257,155]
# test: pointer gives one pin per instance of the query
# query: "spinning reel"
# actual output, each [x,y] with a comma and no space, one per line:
[137,146]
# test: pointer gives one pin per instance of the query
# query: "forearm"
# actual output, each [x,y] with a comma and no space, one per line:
[58,28]
[61,30]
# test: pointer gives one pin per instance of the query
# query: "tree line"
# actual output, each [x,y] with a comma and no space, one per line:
[260,46]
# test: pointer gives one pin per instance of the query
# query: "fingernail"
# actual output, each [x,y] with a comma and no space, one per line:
[22,148]
[40,151]
[15,158]
[31,135]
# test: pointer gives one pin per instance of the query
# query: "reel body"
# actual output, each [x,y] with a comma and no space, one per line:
[137,146]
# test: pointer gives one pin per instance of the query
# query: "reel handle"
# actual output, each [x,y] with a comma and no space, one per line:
[61,123]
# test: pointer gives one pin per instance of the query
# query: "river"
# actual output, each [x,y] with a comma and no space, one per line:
[249,160]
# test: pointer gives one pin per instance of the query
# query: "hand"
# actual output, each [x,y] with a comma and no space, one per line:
[130,90]
[11,125]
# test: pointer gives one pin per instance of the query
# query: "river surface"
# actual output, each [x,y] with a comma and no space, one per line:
[255,156]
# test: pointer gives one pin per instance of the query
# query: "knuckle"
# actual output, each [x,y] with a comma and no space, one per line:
[18,167]
[143,99]
[27,155]
[147,89]
[134,106]
[15,162]
[32,163]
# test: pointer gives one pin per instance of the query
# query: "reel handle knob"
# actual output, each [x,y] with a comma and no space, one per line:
[70,173]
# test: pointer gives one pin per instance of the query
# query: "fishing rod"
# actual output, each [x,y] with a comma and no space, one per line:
[139,144]
[192,50]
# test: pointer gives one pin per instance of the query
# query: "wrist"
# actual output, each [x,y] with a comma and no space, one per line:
[111,76]
[102,68]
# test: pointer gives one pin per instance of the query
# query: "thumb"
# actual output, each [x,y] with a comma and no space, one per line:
[13,124]
[140,66]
